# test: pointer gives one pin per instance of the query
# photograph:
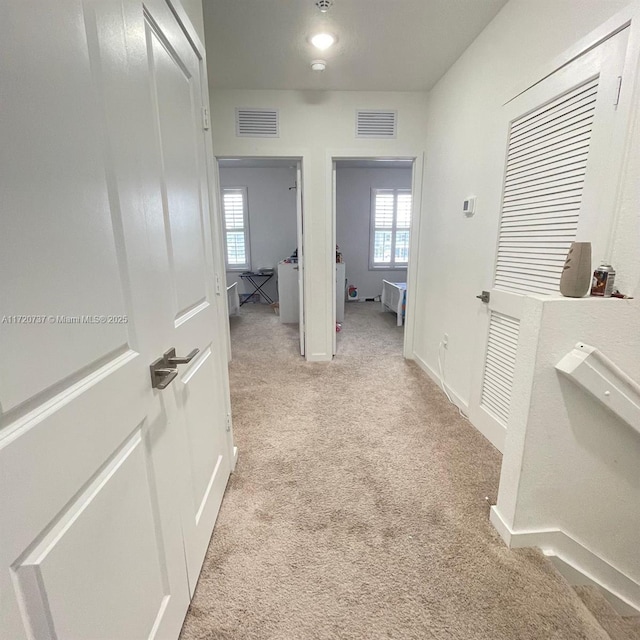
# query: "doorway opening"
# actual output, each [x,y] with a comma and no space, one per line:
[261,211]
[373,203]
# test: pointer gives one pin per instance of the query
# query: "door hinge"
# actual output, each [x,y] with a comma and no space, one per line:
[228,423]
[218,287]
[618,88]
[485,297]
[206,123]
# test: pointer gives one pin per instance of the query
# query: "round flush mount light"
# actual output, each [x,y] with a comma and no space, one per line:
[318,65]
[322,41]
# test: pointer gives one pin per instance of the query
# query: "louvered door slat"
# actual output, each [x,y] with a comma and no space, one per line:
[569,142]
[505,370]
[552,161]
[554,105]
[562,148]
[545,178]
[573,113]
[562,130]
[546,183]
[500,365]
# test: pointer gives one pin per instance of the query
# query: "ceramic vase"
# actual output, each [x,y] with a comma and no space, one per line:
[576,274]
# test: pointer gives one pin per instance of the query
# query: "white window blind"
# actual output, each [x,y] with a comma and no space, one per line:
[390,228]
[546,167]
[499,365]
[236,228]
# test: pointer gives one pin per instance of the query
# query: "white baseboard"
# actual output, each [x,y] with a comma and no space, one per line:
[457,400]
[576,563]
[490,429]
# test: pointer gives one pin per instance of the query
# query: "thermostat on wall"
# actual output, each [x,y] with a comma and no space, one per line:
[469,206]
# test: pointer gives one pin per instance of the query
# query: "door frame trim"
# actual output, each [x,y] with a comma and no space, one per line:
[298,158]
[416,156]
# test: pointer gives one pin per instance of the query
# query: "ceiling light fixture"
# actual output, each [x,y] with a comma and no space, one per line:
[318,65]
[324,5]
[322,41]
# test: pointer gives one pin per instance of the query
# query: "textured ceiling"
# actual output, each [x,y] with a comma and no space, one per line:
[383,45]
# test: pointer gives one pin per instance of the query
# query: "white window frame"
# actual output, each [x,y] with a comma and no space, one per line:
[387,266]
[246,266]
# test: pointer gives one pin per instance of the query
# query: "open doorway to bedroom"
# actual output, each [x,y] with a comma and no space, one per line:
[373,206]
[261,205]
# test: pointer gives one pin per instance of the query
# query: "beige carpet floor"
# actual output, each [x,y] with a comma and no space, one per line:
[357,510]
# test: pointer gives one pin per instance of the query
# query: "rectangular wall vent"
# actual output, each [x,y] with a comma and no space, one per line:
[257,123]
[374,123]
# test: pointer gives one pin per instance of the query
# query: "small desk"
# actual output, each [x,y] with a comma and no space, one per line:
[257,281]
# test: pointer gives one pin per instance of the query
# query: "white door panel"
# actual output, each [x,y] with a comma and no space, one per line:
[563,150]
[202,411]
[105,217]
[175,98]
[42,278]
[110,530]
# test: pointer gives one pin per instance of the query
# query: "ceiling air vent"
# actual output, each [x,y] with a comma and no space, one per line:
[373,123]
[257,123]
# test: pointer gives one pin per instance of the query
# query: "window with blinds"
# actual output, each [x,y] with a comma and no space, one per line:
[390,228]
[236,228]
[546,167]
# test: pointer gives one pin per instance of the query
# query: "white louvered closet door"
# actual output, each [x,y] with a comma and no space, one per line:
[559,186]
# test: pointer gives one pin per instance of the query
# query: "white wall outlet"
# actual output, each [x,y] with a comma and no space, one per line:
[445,340]
[469,206]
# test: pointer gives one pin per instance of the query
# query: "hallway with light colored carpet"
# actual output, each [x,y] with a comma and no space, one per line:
[357,507]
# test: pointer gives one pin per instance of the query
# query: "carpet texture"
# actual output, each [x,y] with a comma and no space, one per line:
[617,626]
[357,509]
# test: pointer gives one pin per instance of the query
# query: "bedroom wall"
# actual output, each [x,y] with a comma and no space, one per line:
[272,216]
[353,221]
[316,125]
[465,156]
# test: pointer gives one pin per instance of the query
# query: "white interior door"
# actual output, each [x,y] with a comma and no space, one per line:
[300,231]
[564,149]
[192,320]
[90,543]
[105,253]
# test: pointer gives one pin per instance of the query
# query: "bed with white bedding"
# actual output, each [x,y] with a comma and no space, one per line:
[394,298]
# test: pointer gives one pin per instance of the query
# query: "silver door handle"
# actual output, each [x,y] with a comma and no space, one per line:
[172,359]
[161,375]
[163,370]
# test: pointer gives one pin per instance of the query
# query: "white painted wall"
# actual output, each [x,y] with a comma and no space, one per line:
[316,126]
[272,217]
[353,217]
[465,156]
[569,464]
